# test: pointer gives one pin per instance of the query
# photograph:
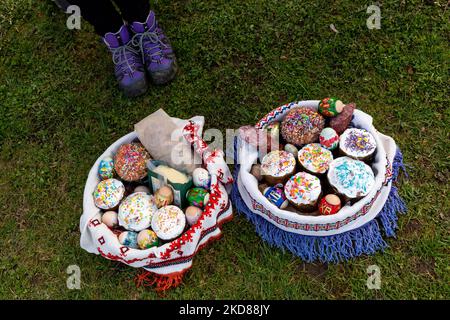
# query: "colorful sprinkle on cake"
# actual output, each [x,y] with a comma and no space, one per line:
[136,211]
[108,193]
[169,222]
[357,143]
[303,188]
[302,125]
[314,158]
[130,162]
[351,177]
[277,163]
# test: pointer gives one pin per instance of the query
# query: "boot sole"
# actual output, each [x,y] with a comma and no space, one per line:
[136,89]
[160,78]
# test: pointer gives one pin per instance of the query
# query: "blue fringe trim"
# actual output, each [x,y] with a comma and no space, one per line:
[342,247]
[398,165]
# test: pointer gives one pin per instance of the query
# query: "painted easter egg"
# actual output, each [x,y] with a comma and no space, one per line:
[330,204]
[330,107]
[329,138]
[201,178]
[164,196]
[147,239]
[276,196]
[129,239]
[106,168]
[193,214]
[110,219]
[198,197]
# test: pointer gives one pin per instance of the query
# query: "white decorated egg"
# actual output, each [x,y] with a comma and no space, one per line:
[110,219]
[329,138]
[142,189]
[291,149]
[201,178]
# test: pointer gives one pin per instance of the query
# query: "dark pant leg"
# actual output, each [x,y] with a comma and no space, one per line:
[134,10]
[101,14]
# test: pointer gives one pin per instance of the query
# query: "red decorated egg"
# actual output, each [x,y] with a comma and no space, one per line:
[329,138]
[330,204]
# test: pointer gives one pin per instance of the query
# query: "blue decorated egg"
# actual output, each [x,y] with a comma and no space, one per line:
[129,239]
[106,168]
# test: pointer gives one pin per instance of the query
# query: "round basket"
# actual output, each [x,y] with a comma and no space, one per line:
[166,264]
[352,231]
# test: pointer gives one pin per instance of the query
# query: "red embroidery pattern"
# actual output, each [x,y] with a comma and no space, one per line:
[312,227]
[124,250]
[113,257]
[213,160]
[191,134]
[185,259]
[94,223]
[214,198]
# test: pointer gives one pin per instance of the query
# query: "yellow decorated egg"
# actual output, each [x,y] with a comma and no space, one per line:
[164,196]
[147,239]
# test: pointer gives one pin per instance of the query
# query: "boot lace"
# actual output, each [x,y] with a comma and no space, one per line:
[150,43]
[125,58]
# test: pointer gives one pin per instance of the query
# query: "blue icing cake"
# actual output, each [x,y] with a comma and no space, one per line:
[352,178]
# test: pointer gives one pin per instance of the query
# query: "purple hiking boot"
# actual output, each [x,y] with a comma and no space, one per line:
[128,67]
[157,53]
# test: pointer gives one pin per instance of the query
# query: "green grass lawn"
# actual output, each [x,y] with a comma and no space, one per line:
[60,108]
